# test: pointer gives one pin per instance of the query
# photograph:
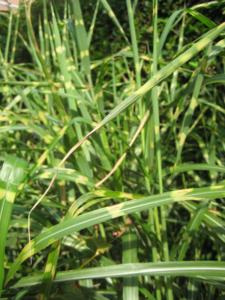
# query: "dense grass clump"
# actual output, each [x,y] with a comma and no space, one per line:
[112,174]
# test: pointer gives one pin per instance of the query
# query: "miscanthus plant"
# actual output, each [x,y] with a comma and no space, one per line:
[112,176]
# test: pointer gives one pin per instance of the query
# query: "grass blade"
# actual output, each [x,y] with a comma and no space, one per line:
[188,116]
[112,15]
[200,17]
[130,285]
[108,213]
[206,269]
[82,37]
[12,175]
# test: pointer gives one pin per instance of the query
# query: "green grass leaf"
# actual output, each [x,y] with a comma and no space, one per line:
[98,216]
[195,269]
[12,175]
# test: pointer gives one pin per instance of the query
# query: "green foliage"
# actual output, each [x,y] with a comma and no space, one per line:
[112,139]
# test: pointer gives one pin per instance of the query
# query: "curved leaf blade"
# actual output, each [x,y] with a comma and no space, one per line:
[12,174]
[206,269]
[98,216]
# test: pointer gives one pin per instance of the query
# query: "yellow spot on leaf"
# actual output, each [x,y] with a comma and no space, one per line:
[84,53]
[60,49]
[10,196]
[178,195]
[182,138]
[79,22]
[115,211]
[68,85]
